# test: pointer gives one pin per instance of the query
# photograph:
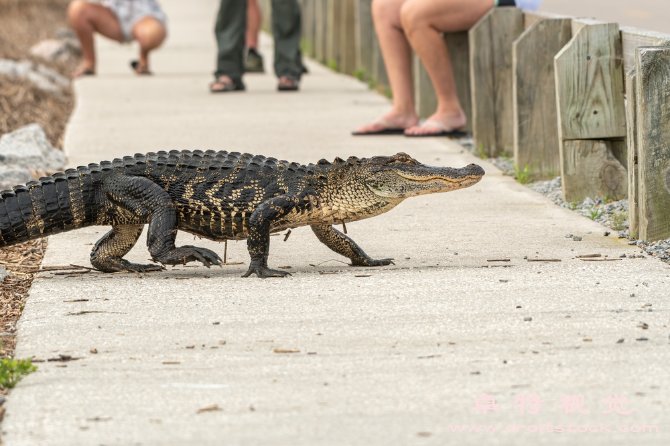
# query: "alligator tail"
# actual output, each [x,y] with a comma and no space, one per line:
[62,202]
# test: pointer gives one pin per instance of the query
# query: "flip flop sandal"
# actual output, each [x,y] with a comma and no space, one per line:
[442,131]
[140,69]
[292,84]
[388,128]
[86,72]
[227,86]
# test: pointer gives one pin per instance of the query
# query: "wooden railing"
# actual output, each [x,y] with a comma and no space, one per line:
[584,99]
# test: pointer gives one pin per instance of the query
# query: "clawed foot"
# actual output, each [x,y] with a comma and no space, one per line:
[186,254]
[265,272]
[372,262]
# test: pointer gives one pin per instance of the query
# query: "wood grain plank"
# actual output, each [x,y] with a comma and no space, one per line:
[589,84]
[653,134]
[347,56]
[589,169]
[536,138]
[459,52]
[631,144]
[632,38]
[334,13]
[364,38]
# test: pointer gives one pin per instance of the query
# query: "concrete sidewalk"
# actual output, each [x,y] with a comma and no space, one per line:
[396,358]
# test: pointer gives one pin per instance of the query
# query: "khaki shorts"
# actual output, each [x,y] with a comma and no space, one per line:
[129,12]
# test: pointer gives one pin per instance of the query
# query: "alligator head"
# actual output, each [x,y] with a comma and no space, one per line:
[401,176]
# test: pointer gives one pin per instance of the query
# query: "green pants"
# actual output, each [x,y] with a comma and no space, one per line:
[230,30]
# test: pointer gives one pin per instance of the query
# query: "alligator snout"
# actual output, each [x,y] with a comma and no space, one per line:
[474,169]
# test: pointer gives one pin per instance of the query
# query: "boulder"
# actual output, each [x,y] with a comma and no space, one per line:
[11,176]
[29,148]
[39,75]
[51,50]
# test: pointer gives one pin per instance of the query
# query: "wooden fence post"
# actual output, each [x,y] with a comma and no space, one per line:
[307,14]
[536,138]
[333,34]
[380,80]
[653,134]
[631,145]
[321,25]
[590,105]
[365,30]
[491,79]
[347,56]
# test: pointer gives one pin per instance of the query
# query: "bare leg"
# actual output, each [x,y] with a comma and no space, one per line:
[87,18]
[254,19]
[423,20]
[150,34]
[398,60]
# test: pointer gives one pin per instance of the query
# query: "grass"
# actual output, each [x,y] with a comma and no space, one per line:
[481,152]
[332,64]
[594,213]
[522,175]
[573,205]
[388,93]
[12,371]
[372,83]
[618,219]
[360,74]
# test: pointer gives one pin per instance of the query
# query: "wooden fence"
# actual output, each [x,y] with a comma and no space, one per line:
[584,99]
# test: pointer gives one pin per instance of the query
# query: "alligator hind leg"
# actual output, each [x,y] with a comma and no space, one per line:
[108,251]
[345,246]
[147,201]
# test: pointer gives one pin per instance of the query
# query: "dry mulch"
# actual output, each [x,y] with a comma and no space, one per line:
[24,23]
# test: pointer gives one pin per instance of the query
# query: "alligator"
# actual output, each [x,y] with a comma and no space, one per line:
[219,196]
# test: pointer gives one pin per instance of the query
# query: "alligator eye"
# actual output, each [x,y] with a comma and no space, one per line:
[402,158]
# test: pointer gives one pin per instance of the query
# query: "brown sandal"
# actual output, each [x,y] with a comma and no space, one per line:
[226,84]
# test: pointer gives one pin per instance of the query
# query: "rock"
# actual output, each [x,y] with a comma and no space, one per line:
[11,176]
[632,242]
[568,235]
[44,78]
[3,274]
[28,148]
[606,234]
[527,319]
[577,238]
[589,202]
[51,50]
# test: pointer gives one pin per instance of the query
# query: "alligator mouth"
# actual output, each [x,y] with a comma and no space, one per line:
[443,179]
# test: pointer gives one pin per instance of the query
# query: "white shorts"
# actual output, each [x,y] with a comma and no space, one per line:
[129,12]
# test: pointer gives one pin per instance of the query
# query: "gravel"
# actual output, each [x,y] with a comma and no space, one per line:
[612,214]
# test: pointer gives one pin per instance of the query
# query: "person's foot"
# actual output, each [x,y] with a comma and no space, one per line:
[438,124]
[288,83]
[140,68]
[223,84]
[84,69]
[253,61]
[391,123]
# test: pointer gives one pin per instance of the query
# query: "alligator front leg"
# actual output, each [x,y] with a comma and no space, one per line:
[345,246]
[258,240]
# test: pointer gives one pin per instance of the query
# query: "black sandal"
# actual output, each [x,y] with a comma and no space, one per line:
[291,84]
[142,70]
[233,85]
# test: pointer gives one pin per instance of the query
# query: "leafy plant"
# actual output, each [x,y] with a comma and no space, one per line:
[522,175]
[594,213]
[332,64]
[573,205]
[12,371]
[618,219]
[481,152]
[388,93]
[359,74]
[372,83]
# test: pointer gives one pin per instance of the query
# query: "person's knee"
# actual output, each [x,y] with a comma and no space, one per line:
[386,11]
[149,33]
[413,16]
[77,11]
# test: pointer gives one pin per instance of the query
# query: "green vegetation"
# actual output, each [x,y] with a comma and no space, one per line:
[481,152]
[372,83]
[332,64]
[360,74]
[594,213]
[388,93]
[573,205]
[618,219]
[12,371]
[522,175]
[306,46]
